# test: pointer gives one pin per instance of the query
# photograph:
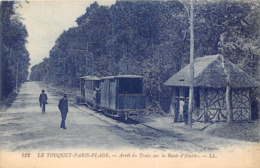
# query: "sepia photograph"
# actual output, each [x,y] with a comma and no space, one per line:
[130,83]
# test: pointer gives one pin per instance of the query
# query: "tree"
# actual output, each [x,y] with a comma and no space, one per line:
[152,39]
[16,57]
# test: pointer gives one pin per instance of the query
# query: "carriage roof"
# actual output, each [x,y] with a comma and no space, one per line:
[90,78]
[122,76]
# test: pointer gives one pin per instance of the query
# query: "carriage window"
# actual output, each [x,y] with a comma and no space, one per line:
[130,86]
[89,85]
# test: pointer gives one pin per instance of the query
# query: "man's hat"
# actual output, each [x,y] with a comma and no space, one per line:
[43,90]
[65,94]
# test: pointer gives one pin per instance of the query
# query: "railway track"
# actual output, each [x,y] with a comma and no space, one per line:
[141,126]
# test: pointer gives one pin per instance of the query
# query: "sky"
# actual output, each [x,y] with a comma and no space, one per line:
[46,20]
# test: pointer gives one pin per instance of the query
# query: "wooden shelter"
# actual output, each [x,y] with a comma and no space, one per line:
[221,90]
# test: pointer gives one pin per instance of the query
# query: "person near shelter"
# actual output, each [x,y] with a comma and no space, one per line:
[181,109]
[95,94]
[43,101]
[63,107]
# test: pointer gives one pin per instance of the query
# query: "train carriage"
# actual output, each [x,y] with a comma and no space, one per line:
[115,95]
[122,94]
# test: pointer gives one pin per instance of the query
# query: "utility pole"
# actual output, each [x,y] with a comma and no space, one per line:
[86,60]
[86,52]
[60,60]
[92,68]
[64,66]
[191,90]
[159,76]
[1,60]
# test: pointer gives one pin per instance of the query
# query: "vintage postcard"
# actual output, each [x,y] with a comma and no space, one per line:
[123,84]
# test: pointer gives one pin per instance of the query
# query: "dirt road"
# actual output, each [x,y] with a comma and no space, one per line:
[23,127]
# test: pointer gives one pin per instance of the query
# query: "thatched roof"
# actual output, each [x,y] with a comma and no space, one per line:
[213,71]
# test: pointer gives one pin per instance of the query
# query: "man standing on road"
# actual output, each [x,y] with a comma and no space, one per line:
[63,106]
[43,100]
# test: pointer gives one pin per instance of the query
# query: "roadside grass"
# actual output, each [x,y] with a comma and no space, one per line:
[8,101]
[246,131]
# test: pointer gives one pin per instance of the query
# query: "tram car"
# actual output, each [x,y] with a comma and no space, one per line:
[120,96]
[89,86]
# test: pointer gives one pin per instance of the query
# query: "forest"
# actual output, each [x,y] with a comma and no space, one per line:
[148,38]
[14,57]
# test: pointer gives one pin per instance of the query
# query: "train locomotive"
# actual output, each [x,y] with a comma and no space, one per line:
[120,96]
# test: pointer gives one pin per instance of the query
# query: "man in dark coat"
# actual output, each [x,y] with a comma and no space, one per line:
[43,100]
[63,106]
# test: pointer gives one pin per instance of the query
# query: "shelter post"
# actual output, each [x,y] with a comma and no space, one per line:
[228,104]
[173,109]
[206,116]
[80,85]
